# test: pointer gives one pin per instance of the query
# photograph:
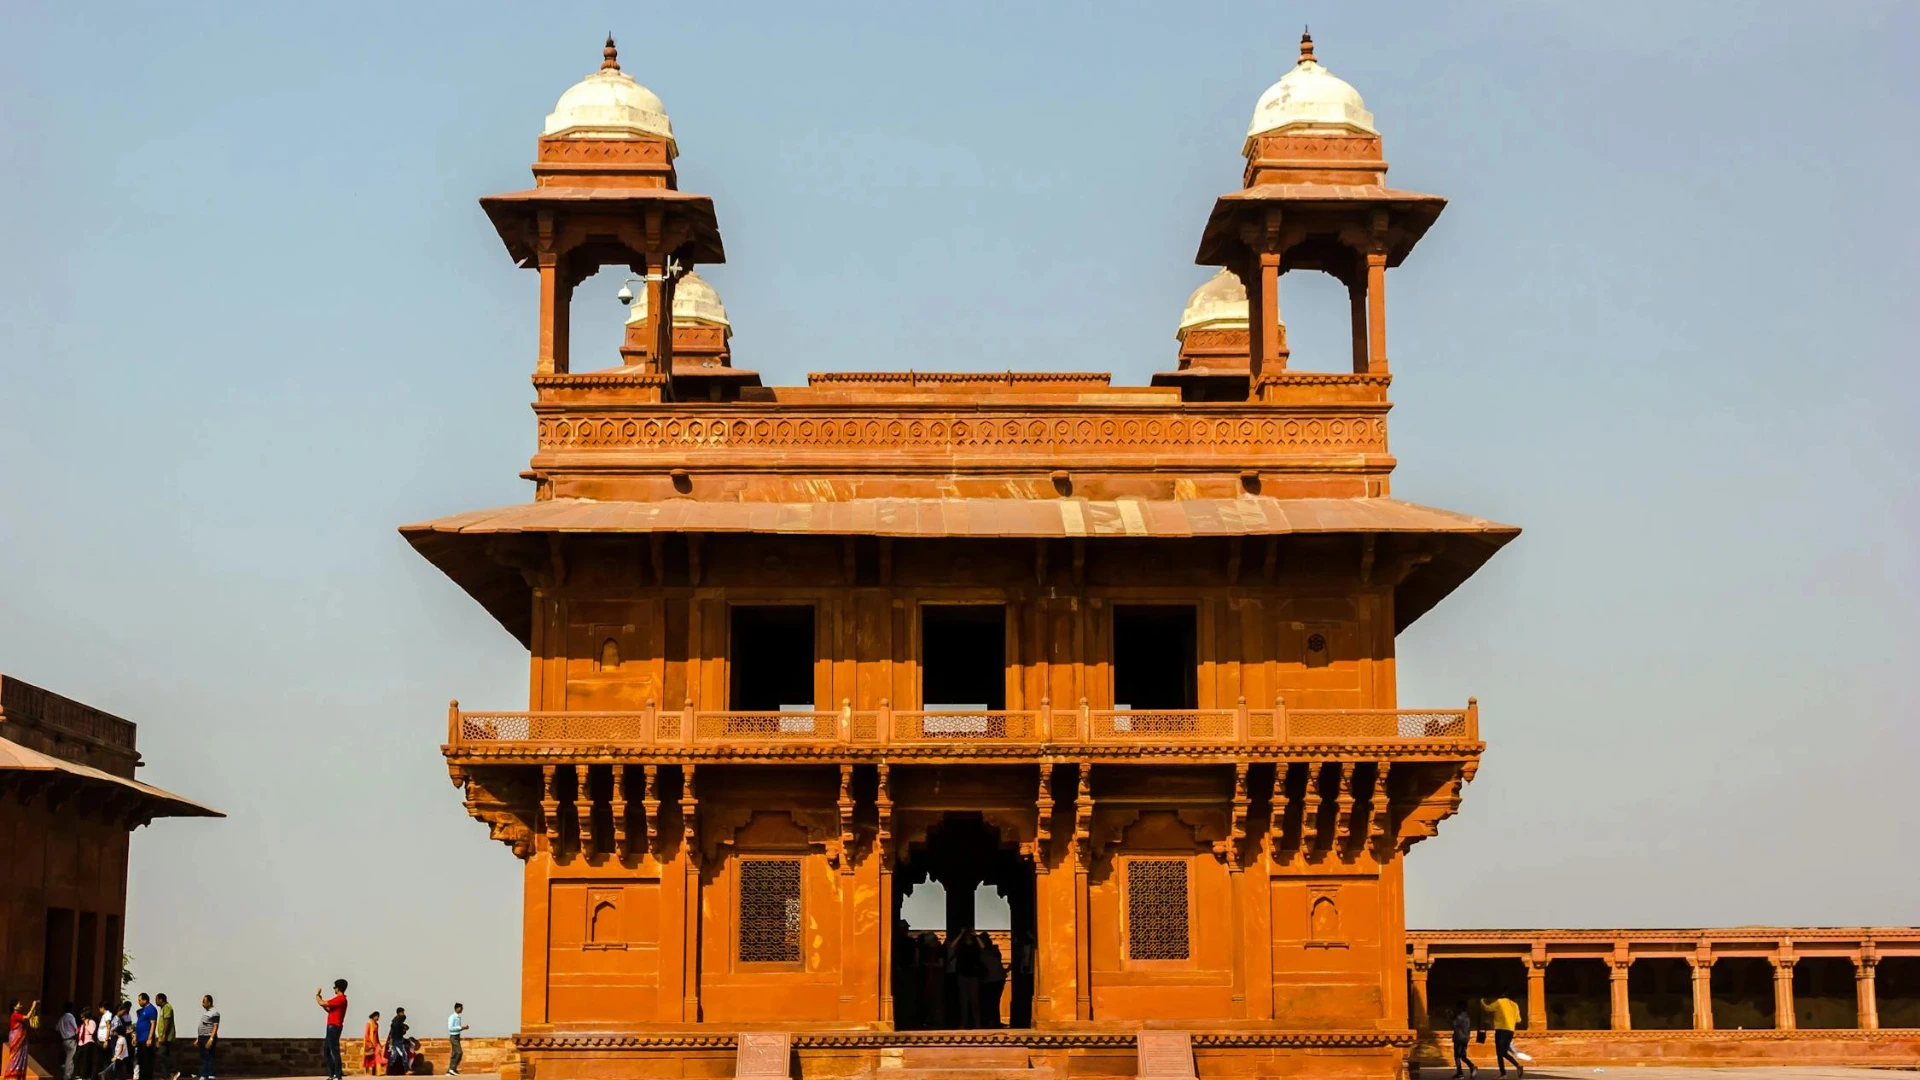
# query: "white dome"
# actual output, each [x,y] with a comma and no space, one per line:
[1310,96]
[694,304]
[1220,304]
[608,104]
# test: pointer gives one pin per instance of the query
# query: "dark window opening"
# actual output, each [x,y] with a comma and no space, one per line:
[113,962]
[1156,660]
[56,981]
[770,665]
[86,967]
[963,656]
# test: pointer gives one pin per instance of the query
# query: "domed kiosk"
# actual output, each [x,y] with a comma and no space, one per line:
[1214,342]
[1314,197]
[608,104]
[606,194]
[702,335]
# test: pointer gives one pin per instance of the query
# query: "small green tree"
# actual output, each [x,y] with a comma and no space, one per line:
[126,970]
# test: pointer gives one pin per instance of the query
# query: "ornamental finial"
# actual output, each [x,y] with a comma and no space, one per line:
[1306,45]
[610,56]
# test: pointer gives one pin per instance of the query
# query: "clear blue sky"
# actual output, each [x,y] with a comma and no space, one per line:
[254,320]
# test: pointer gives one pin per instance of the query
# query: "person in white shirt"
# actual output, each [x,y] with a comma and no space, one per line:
[69,1030]
[456,1026]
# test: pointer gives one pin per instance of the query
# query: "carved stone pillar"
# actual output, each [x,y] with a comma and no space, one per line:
[690,845]
[1869,1002]
[1620,1010]
[1263,314]
[1082,864]
[1783,1019]
[1702,991]
[1537,993]
[556,294]
[1357,316]
[883,854]
[1417,1016]
[1376,311]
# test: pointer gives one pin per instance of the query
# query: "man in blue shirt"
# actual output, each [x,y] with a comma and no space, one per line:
[145,1024]
[456,1025]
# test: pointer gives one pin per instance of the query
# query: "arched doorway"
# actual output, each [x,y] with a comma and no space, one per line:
[965,856]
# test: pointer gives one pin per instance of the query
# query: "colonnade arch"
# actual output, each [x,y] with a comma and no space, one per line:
[962,852]
[1743,993]
[1660,994]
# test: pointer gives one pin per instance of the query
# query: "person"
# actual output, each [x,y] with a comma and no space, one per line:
[122,1066]
[69,1030]
[456,1026]
[1462,1031]
[206,1035]
[1504,1014]
[933,980]
[993,980]
[336,1007]
[1020,1009]
[398,1061]
[83,1037]
[906,998]
[145,1020]
[15,1055]
[370,1049]
[124,1049]
[968,969]
[102,1041]
[163,1036]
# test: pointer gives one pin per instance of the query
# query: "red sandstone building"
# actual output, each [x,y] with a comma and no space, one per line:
[1124,654]
[68,803]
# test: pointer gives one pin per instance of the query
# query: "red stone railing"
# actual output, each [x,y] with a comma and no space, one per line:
[1045,726]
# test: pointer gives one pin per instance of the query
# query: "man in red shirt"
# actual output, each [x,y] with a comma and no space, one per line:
[336,1007]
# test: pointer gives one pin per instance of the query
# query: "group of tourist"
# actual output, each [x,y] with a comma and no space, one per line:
[397,1052]
[128,1041]
[1503,1016]
[951,984]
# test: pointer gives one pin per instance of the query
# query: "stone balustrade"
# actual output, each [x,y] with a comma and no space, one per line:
[1046,727]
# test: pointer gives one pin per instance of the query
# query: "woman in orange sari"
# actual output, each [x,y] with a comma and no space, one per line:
[371,1052]
[15,1057]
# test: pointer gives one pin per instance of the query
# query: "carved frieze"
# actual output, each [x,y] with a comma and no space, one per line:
[1344,431]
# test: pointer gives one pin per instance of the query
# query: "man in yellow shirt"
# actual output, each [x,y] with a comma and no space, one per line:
[1504,1014]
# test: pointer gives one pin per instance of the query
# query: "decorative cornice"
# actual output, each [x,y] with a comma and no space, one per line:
[1214,753]
[955,378]
[599,380]
[1325,378]
[1039,1040]
[1343,428]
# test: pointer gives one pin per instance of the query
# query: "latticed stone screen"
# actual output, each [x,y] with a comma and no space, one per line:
[1157,909]
[770,911]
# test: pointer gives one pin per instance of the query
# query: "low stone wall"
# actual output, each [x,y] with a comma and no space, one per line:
[1898,1047]
[238,1058]
[243,1057]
